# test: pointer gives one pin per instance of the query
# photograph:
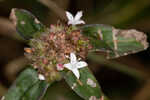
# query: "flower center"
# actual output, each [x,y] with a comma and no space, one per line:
[74,65]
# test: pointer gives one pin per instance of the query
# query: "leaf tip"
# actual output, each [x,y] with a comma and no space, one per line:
[133,33]
[13,17]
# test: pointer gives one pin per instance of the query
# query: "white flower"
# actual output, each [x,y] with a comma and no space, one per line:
[74,65]
[74,20]
[41,77]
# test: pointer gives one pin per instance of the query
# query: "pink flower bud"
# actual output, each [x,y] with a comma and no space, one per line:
[60,67]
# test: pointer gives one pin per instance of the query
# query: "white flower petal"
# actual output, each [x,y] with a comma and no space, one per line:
[81,64]
[76,73]
[78,15]
[73,58]
[75,20]
[71,22]
[79,22]
[68,66]
[3,98]
[74,65]
[41,77]
[69,16]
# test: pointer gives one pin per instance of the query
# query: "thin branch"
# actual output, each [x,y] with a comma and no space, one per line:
[55,8]
[15,66]
[7,28]
[138,74]
[3,89]
[144,93]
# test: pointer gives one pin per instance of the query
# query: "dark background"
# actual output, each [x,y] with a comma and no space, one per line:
[124,78]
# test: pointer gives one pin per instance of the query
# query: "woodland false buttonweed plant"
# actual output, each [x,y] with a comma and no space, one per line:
[60,52]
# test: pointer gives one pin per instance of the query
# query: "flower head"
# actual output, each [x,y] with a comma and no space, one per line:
[75,20]
[75,65]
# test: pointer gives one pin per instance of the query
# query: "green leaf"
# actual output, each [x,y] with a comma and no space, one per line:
[60,90]
[86,87]
[36,92]
[115,42]
[27,25]
[27,84]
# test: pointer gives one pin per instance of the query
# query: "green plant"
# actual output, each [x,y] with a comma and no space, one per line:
[58,52]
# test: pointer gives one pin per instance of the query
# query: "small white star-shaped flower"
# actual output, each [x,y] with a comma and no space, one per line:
[75,20]
[41,77]
[74,65]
